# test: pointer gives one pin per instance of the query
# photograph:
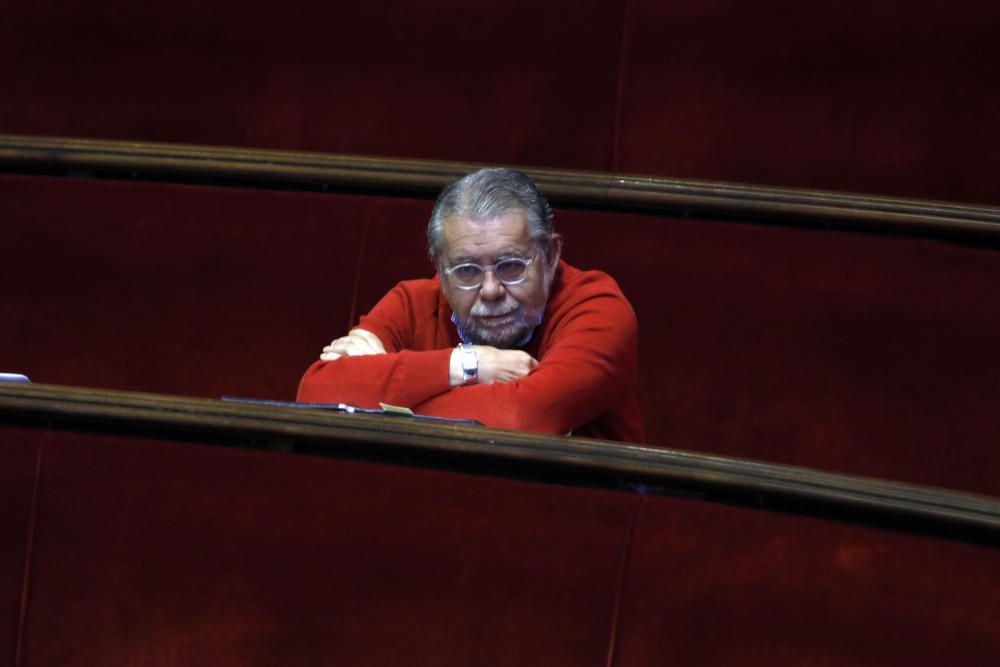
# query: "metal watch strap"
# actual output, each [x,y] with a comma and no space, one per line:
[470,364]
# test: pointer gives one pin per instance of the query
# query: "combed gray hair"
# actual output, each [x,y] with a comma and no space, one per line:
[485,194]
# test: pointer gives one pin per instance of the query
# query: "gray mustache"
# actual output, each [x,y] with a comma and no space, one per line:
[492,310]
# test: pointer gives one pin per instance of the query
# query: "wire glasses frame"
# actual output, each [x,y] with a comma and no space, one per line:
[510,271]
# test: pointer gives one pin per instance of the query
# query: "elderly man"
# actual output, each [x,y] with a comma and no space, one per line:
[505,333]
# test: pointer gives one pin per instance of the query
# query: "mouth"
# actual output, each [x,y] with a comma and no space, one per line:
[497,320]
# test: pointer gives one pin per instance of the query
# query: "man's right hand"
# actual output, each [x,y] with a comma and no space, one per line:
[495,365]
[355,344]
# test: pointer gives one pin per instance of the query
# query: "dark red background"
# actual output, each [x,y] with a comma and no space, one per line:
[895,97]
[851,352]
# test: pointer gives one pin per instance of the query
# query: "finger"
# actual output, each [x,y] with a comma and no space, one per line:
[362,333]
[348,347]
[350,342]
[333,347]
[339,346]
[329,356]
[337,341]
[362,346]
[351,346]
[371,341]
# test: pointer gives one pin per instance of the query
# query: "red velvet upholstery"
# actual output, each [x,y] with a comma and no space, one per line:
[176,289]
[857,353]
[160,553]
[890,97]
[483,82]
[712,585]
[894,97]
[18,462]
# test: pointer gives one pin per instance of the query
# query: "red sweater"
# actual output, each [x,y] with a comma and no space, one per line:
[585,381]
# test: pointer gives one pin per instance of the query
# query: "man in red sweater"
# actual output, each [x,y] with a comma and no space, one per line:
[506,333]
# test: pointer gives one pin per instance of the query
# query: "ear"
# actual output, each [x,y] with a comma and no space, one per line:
[554,251]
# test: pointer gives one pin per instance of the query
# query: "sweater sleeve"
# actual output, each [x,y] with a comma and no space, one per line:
[400,378]
[588,366]
[403,376]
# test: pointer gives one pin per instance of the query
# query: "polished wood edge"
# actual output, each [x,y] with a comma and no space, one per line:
[590,189]
[547,458]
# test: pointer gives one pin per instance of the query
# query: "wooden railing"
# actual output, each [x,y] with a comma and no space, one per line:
[424,178]
[577,461]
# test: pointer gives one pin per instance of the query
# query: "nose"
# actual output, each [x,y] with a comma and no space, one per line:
[491,289]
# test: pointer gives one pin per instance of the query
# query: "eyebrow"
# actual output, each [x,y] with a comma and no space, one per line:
[506,253]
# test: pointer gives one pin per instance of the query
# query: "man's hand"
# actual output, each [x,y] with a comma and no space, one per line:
[495,365]
[355,344]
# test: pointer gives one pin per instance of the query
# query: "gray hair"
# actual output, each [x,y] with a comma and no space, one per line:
[485,194]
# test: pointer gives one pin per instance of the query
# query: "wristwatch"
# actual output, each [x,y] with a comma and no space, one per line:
[470,364]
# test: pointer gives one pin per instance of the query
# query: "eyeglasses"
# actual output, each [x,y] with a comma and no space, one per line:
[511,271]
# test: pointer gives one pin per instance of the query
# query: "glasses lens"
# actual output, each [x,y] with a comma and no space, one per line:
[511,269]
[467,274]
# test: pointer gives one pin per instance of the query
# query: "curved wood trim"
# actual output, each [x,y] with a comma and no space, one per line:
[543,458]
[272,168]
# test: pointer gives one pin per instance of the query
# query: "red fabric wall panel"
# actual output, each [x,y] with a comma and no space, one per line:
[891,98]
[850,352]
[509,82]
[161,554]
[177,289]
[18,463]
[395,249]
[711,585]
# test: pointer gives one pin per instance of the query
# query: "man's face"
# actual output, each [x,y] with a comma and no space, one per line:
[497,314]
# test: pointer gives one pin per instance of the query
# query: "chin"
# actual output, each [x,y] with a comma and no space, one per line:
[502,337]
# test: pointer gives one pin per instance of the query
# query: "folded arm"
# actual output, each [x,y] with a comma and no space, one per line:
[588,367]
[357,369]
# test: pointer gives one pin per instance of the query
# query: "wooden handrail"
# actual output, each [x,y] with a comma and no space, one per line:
[424,178]
[596,463]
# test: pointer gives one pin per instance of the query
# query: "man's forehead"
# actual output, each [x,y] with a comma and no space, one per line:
[468,235]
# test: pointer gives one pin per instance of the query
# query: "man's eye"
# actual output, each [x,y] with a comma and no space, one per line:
[510,268]
[466,271]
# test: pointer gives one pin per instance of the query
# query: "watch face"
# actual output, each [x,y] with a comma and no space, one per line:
[470,364]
